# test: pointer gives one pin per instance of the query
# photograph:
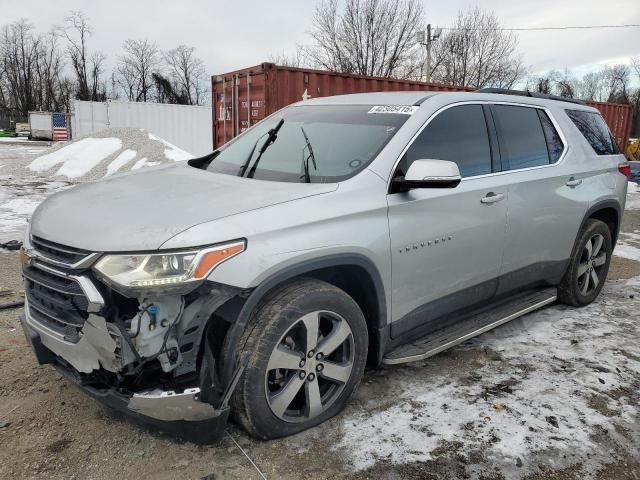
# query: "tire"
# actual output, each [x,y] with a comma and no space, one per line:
[277,336]
[589,263]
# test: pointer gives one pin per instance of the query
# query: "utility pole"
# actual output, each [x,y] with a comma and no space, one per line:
[425,39]
[428,53]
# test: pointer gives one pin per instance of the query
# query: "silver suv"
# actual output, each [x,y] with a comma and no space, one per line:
[337,233]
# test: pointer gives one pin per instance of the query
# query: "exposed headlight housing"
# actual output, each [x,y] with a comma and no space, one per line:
[164,270]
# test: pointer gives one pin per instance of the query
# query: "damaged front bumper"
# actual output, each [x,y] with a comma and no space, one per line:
[180,415]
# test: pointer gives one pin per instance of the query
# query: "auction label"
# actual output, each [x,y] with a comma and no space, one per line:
[398,109]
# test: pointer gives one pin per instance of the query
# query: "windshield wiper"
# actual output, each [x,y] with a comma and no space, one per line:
[305,160]
[243,169]
[272,135]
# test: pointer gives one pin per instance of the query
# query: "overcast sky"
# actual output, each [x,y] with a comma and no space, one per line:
[235,34]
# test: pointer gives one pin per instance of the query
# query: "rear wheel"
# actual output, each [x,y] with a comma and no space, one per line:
[589,266]
[305,353]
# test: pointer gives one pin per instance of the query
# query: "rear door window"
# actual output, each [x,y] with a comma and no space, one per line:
[522,140]
[595,130]
[458,134]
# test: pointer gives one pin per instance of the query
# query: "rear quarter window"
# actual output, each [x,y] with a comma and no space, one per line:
[554,142]
[595,131]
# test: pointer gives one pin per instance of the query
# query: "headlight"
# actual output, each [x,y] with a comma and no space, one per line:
[161,271]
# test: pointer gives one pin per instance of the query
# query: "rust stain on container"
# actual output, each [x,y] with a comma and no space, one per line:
[244,97]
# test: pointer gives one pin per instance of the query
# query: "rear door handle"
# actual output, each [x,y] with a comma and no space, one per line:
[491,198]
[573,182]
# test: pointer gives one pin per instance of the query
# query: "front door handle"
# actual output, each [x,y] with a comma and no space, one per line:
[573,182]
[491,198]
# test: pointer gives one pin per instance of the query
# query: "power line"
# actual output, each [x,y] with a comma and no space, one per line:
[536,29]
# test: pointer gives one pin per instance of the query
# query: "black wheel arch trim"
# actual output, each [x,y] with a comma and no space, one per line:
[294,271]
[602,205]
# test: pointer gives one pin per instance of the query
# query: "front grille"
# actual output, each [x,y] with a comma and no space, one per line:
[55,301]
[58,253]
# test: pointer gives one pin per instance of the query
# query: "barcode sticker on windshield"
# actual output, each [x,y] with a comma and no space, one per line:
[398,109]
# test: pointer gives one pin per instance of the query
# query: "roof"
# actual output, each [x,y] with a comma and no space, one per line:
[374,98]
[418,97]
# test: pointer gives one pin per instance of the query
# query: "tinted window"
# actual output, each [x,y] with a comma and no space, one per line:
[595,130]
[458,134]
[554,142]
[331,142]
[522,140]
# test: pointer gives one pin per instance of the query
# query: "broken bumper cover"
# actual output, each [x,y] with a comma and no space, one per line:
[179,415]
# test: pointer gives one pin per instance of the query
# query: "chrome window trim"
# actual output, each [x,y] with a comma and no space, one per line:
[486,102]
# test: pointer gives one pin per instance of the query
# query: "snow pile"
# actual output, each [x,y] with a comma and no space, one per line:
[94,157]
[25,180]
[77,158]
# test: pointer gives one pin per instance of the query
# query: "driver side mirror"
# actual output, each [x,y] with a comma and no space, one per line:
[429,174]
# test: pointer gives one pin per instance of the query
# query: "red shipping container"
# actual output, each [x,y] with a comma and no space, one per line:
[619,117]
[244,97]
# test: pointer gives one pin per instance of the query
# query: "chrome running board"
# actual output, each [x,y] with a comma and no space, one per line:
[437,342]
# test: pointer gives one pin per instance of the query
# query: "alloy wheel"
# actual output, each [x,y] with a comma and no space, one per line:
[309,366]
[591,267]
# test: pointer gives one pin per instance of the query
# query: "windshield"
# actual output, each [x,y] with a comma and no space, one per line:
[314,144]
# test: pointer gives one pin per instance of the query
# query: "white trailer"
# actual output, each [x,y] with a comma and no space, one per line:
[188,127]
[40,125]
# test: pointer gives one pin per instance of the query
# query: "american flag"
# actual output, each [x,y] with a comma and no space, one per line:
[60,132]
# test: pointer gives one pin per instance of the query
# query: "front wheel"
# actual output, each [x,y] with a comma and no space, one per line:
[305,351]
[589,266]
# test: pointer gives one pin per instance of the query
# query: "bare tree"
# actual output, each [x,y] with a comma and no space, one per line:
[635,64]
[187,74]
[96,69]
[50,71]
[140,60]
[295,60]
[87,67]
[19,56]
[477,53]
[616,81]
[591,86]
[366,37]
[167,92]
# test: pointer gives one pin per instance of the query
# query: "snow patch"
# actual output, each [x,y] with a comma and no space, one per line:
[171,152]
[18,202]
[626,250]
[143,162]
[633,196]
[77,158]
[120,161]
[555,361]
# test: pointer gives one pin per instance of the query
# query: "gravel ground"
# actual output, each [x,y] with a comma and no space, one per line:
[554,395]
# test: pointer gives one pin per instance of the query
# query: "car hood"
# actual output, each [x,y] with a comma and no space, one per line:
[142,210]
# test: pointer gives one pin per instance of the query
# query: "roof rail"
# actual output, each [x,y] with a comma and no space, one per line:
[527,93]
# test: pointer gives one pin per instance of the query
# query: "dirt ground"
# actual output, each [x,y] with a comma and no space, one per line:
[394,428]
